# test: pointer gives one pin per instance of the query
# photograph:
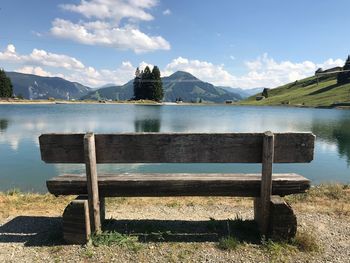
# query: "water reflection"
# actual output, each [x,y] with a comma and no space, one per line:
[3,124]
[335,131]
[147,118]
[21,165]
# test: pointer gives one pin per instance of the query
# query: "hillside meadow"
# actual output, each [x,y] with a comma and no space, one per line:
[306,92]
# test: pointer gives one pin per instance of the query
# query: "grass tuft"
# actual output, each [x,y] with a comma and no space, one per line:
[228,243]
[13,192]
[306,241]
[109,238]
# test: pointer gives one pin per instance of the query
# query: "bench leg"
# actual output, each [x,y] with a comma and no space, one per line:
[282,223]
[76,222]
[102,209]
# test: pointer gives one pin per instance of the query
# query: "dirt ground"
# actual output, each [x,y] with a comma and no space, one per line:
[173,230]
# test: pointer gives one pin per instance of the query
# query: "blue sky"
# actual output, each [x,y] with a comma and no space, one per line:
[232,43]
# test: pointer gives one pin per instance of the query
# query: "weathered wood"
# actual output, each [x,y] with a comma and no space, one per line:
[102,209]
[178,184]
[76,222]
[92,185]
[266,181]
[283,222]
[177,148]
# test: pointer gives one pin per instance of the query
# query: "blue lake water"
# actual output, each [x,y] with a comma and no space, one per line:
[20,126]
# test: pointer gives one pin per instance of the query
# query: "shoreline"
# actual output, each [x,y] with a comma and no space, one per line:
[78,102]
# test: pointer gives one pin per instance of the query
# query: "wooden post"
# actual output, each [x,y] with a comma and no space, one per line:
[92,184]
[266,182]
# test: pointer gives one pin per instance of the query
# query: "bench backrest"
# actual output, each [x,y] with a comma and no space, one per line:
[178,148]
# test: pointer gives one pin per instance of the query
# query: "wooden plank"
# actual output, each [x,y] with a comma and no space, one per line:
[266,182]
[177,148]
[76,222]
[178,184]
[92,185]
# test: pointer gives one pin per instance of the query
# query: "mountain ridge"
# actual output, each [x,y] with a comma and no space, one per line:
[179,85]
[31,86]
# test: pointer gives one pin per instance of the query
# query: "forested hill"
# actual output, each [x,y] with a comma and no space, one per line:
[36,87]
[178,85]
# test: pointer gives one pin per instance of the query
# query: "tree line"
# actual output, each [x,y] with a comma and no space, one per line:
[6,90]
[344,76]
[148,84]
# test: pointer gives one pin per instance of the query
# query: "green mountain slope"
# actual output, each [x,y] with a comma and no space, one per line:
[307,92]
[179,85]
[124,92]
[37,87]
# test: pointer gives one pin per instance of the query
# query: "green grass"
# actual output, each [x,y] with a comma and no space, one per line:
[228,243]
[281,251]
[109,238]
[306,241]
[306,92]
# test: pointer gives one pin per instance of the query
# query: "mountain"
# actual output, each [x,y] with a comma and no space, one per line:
[106,85]
[178,85]
[313,92]
[244,93]
[36,87]
[123,92]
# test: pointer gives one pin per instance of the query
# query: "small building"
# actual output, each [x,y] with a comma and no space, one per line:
[327,71]
[228,101]
[257,98]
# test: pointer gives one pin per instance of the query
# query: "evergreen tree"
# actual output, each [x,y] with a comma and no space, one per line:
[157,88]
[344,77]
[265,93]
[147,84]
[5,85]
[137,84]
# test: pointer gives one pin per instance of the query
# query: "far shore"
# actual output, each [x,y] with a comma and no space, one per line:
[149,102]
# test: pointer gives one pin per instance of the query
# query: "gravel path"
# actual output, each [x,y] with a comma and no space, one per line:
[31,238]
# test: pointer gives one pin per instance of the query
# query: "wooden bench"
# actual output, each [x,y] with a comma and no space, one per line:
[84,215]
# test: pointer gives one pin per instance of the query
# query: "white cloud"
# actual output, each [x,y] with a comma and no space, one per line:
[203,70]
[167,12]
[113,9]
[40,57]
[101,33]
[102,25]
[66,67]
[9,54]
[261,72]
[36,71]
[264,71]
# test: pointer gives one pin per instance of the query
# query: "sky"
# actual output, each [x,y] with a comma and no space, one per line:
[240,43]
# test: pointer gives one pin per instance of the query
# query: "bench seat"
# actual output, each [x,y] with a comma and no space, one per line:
[178,184]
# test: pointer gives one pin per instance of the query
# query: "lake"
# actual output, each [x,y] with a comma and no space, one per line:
[20,126]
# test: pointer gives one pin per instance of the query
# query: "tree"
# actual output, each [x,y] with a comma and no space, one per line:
[158,93]
[148,84]
[344,77]
[137,84]
[265,93]
[5,85]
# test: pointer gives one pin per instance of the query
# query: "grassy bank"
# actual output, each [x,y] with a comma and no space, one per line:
[217,229]
[324,198]
[306,93]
